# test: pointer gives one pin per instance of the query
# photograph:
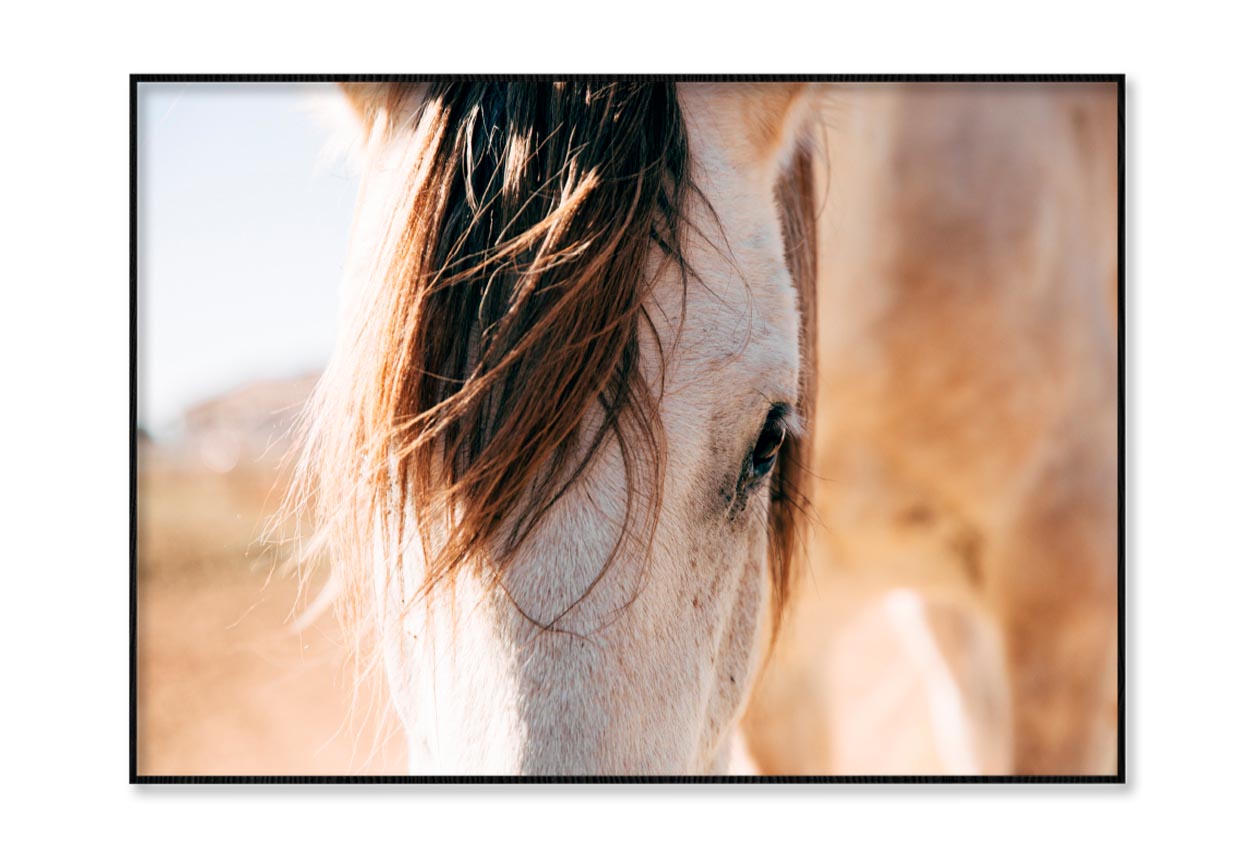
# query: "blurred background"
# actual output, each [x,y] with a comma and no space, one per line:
[243,227]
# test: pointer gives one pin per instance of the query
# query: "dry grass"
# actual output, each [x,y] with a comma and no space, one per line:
[225,683]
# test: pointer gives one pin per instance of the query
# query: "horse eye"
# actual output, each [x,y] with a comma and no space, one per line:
[768,443]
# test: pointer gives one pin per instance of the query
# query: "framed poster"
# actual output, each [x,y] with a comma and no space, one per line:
[640,428]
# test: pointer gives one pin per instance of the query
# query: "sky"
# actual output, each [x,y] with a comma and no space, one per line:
[242,235]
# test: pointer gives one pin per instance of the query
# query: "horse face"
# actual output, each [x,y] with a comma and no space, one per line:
[620,642]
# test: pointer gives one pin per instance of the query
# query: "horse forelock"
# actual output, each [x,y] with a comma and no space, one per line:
[505,316]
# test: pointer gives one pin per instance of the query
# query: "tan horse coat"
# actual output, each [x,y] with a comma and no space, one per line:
[965,442]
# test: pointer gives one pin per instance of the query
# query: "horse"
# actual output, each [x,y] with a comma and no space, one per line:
[571,455]
[559,449]
[965,442]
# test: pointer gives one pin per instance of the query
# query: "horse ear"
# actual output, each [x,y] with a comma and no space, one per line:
[765,119]
[385,102]
[772,114]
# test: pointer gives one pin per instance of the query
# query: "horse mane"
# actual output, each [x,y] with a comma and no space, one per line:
[504,316]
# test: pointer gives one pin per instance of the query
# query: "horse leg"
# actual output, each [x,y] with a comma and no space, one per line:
[920,689]
[1054,583]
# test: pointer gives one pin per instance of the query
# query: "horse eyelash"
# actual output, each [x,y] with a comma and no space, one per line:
[793,420]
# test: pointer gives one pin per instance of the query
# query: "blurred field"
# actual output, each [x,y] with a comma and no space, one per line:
[226,685]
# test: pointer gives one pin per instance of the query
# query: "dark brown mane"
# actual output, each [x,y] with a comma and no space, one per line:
[505,316]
